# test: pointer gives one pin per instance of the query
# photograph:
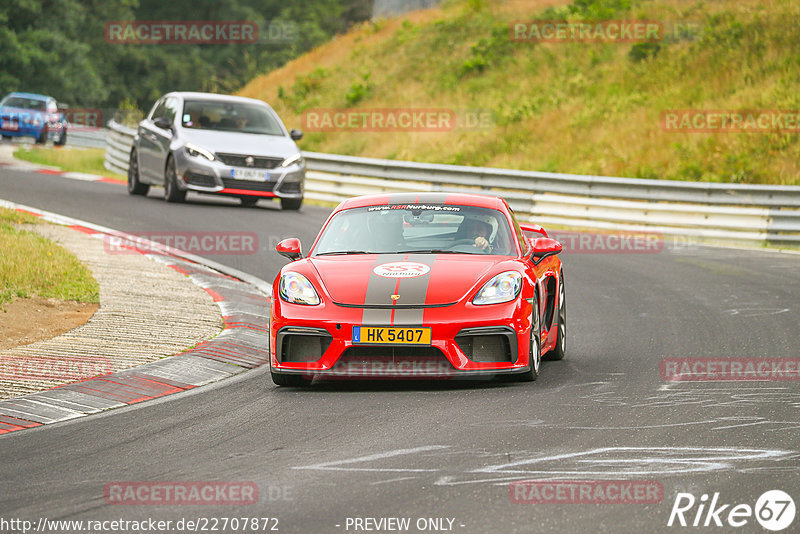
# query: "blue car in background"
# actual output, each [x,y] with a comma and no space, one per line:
[32,115]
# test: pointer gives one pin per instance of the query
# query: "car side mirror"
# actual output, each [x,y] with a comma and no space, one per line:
[544,247]
[296,135]
[290,248]
[163,123]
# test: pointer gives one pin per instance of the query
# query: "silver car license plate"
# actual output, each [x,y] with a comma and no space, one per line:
[253,175]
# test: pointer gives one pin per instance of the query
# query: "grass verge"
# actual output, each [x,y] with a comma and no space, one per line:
[31,265]
[88,160]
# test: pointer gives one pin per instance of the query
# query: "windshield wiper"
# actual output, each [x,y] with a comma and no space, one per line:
[343,252]
[431,251]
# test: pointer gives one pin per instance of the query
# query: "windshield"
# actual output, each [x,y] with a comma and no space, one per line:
[229,117]
[433,229]
[24,103]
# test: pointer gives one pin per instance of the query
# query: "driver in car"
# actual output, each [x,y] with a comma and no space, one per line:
[478,230]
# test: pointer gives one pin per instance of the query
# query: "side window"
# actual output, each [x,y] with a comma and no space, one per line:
[523,241]
[158,110]
[171,108]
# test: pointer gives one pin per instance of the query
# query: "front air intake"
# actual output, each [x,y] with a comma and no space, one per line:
[302,345]
[488,344]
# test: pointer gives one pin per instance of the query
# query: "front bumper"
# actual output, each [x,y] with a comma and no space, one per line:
[54,131]
[23,130]
[214,177]
[467,341]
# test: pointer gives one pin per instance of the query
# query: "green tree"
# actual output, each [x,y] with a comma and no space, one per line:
[58,47]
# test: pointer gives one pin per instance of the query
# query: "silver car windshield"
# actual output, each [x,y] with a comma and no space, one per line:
[414,228]
[229,117]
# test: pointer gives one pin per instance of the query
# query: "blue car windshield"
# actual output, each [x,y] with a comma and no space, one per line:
[229,117]
[24,103]
[419,229]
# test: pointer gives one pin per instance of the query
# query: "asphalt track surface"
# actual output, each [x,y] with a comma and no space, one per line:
[449,450]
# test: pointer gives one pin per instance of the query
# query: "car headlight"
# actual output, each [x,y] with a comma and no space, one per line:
[502,288]
[297,158]
[296,288]
[198,151]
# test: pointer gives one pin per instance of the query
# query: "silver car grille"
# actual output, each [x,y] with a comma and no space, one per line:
[243,160]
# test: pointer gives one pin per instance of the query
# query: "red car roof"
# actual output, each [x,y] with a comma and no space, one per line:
[460,199]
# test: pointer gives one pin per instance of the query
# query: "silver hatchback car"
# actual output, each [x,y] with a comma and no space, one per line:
[217,144]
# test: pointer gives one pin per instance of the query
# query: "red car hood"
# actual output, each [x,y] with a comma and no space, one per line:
[418,279]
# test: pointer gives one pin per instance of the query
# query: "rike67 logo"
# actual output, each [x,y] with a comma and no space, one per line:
[774,510]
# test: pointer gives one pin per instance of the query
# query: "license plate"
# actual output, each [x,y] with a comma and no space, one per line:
[391,335]
[9,125]
[254,175]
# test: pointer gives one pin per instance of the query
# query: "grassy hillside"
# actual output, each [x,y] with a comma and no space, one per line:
[588,108]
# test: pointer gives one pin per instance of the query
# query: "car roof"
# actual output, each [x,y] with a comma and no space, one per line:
[214,96]
[32,96]
[460,199]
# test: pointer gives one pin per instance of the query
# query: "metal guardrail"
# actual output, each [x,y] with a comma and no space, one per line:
[710,211]
[118,147]
[94,138]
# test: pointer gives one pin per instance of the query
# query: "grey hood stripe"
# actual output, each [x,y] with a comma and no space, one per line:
[379,290]
[411,290]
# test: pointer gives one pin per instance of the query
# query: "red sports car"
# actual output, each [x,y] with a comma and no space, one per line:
[418,285]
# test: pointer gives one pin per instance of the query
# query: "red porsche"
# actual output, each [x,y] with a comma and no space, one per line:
[418,285]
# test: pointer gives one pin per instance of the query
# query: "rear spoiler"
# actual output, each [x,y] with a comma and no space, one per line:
[533,231]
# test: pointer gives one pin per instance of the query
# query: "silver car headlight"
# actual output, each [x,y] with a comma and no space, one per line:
[504,287]
[198,151]
[297,158]
[296,288]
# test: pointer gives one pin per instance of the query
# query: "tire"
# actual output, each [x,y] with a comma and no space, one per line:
[291,203]
[561,340]
[294,381]
[535,348]
[249,202]
[42,139]
[171,191]
[135,187]
[62,140]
